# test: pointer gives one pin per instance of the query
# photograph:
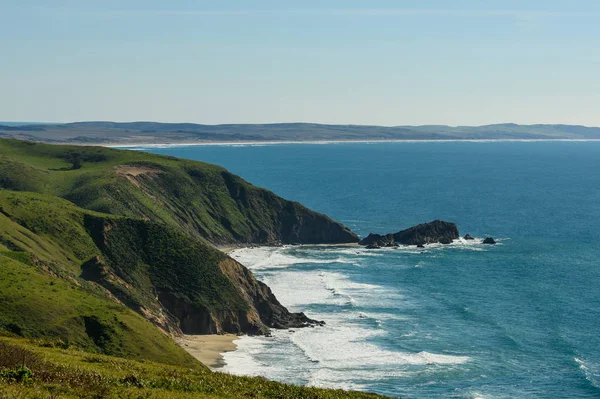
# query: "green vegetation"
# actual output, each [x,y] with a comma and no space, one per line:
[138,229]
[197,198]
[34,369]
[38,305]
[133,259]
[105,255]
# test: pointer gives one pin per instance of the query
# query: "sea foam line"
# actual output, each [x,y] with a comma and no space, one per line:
[340,351]
[142,146]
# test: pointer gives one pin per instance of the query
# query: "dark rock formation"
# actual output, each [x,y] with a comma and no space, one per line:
[437,231]
[489,240]
[265,309]
[468,237]
[420,246]
[377,240]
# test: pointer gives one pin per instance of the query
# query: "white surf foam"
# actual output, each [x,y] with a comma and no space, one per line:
[278,257]
[590,370]
[342,354]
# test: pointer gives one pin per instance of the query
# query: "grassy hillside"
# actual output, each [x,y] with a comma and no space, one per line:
[106,252]
[69,373]
[138,229]
[173,279]
[36,304]
[197,198]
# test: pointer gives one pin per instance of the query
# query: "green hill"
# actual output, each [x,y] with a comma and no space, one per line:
[197,198]
[141,228]
[113,253]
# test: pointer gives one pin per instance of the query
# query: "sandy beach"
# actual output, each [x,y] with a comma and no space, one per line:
[208,348]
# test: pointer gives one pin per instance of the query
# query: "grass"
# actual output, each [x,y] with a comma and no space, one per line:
[92,261]
[38,305]
[134,260]
[71,373]
[198,198]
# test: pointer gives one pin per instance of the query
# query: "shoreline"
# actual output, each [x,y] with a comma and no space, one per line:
[209,349]
[281,142]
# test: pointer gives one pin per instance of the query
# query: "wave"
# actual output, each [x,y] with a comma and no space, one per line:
[262,258]
[278,257]
[325,357]
[350,343]
[591,371]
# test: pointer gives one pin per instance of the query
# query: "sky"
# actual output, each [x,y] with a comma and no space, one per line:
[459,62]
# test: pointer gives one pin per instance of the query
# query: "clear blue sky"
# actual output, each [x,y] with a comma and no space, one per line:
[342,61]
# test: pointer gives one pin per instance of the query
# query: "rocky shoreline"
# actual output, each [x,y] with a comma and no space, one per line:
[435,232]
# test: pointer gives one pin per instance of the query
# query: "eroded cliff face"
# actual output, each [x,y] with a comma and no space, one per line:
[141,229]
[191,318]
[263,302]
[181,283]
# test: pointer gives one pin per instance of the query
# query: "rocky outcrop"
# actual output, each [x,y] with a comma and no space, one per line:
[299,225]
[263,302]
[468,237]
[377,240]
[489,240]
[437,231]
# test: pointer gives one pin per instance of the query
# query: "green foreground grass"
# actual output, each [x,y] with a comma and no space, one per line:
[34,369]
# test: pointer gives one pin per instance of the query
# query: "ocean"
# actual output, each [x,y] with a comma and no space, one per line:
[520,319]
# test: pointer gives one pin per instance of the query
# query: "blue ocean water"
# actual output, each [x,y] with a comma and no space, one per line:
[517,320]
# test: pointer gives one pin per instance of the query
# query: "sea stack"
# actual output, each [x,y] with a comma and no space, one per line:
[437,231]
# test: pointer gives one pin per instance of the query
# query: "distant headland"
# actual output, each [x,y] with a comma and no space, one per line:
[154,133]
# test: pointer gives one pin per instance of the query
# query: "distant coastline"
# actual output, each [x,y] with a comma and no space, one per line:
[261,143]
[123,134]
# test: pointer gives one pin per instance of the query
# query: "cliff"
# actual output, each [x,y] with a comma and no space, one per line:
[197,198]
[177,281]
[137,233]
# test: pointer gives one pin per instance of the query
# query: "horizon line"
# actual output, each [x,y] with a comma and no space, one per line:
[34,123]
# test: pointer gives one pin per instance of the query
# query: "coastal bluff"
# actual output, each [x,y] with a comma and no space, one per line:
[137,235]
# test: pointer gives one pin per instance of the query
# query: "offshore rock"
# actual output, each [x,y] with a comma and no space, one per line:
[437,231]
[468,237]
[378,241]
[489,240]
